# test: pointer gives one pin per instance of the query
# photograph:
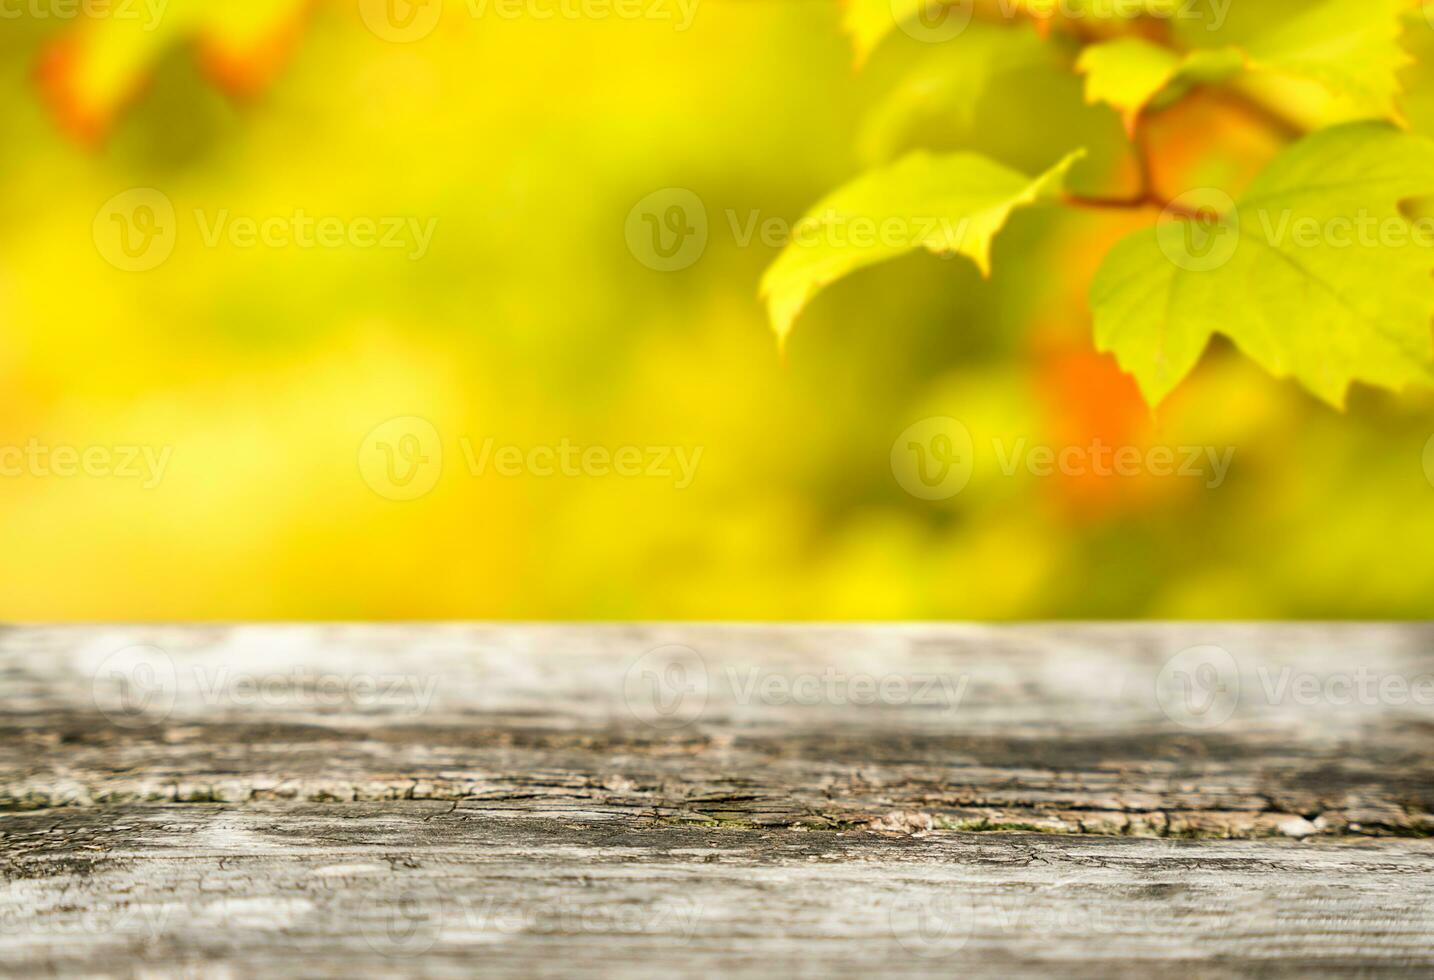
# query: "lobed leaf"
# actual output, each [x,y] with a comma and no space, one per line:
[951,83]
[1128,73]
[1289,275]
[952,204]
[1350,48]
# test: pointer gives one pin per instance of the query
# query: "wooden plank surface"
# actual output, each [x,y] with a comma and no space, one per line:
[635,800]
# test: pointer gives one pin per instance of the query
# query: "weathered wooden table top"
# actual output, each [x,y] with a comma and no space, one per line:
[685,799]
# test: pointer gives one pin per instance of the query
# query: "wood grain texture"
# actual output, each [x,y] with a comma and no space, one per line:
[573,800]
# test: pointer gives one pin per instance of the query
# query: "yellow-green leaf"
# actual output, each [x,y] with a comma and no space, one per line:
[1350,48]
[1316,274]
[952,82]
[952,204]
[1128,73]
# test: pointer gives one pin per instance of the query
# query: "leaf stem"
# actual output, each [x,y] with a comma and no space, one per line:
[1149,200]
[1155,29]
[1110,203]
[1146,197]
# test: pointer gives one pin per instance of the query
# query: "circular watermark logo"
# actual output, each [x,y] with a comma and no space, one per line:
[1199,687]
[1199,231]
[401,21]
[407,924]
[932,925]
[667,687]
[402,459]
[1429,461]
[934,20]
[667,230]
[934,459]
[134,687]
[135,230]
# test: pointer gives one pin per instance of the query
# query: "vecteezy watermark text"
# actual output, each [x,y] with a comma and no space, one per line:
[1207,463]
[402,459]
[1204,229]
[138,229]
[935,458]
[668,230]
[671,687]
[1201,687]
[834,687]
[299,686]
[1360,686]
[137,686]
[838,229]
[146,464]
[299,229]
[148,13]
[566,458]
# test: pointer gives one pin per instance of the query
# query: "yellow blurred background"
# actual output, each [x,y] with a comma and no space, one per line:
[216,410]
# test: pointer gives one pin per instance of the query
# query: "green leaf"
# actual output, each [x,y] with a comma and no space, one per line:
[948,204]
[1128,73]
[951,82]
[1288,275]
[1351,48]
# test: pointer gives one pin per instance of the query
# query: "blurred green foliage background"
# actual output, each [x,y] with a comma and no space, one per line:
[529,321]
